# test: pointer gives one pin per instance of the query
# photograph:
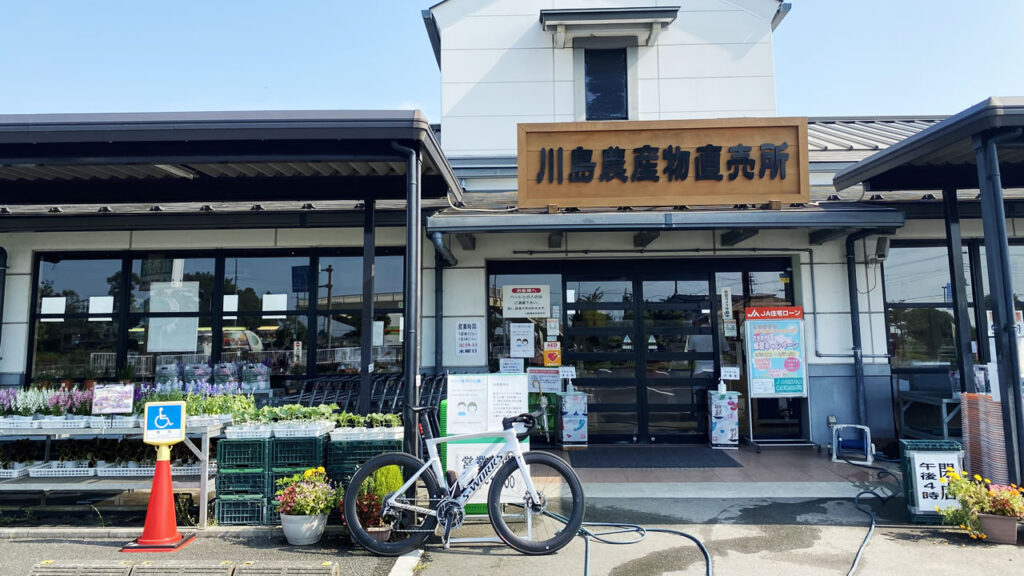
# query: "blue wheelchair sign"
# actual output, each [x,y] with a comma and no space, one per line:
[164,423]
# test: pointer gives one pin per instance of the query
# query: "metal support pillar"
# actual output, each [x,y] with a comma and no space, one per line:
[413,289]
[997,252]
[366,326]
[954,249]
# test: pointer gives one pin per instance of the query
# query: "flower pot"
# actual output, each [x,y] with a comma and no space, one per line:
[379,533]
[999,529]
[303,530]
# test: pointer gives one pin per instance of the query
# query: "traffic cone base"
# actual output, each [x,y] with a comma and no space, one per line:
[135,546]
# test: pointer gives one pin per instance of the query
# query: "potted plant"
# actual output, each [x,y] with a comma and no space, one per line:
[305,500]
[986,511]
[372,492]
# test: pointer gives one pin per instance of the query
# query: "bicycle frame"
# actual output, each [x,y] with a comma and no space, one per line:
[498,452]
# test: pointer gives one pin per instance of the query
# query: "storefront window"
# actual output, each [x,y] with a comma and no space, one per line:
[506,335]
[78,286]
[74,349]
[339,343]
[266,284]
[172,315]
[922,337]
[161,284]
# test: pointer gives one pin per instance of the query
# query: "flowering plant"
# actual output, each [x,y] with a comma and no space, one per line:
[8,401]
[374,489]
[32,401]
[977,495]
[74,401]
[308,494]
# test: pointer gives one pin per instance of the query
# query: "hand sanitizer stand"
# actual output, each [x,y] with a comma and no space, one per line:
[723,419]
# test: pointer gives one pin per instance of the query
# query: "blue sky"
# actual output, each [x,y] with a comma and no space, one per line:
[832,57]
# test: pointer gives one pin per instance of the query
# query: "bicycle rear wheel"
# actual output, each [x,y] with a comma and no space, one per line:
[398,531]
[537,527]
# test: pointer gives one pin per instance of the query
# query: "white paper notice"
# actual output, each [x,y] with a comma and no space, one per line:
[378,332]
[53,305]
[173,334]
[526,301]
[521,340]
[231,305]
[730,372]
[101,305]
[467,403]
[468,338]
[511,365]
[544,380]
[567,372]
[274,303]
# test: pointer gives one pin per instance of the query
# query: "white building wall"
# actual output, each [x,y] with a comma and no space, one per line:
[499,68]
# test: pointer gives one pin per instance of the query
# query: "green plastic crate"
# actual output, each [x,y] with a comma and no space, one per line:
[272,517]
[240,510]
[243,453]
[251,481]
[276,474]
[307,452]
[346,452]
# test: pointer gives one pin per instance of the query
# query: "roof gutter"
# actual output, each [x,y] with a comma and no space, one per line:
[443,251]
[780,14]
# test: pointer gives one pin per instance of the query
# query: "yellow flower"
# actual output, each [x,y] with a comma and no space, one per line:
[982,536]
[987,481]
[308,473]
[962,527]
[950,469]
[964,473]
[937,509]
[321,470]
[942,480]
[973,537]
[977,477]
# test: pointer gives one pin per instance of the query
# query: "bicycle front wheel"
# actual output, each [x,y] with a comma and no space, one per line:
[375,526]
[537,527]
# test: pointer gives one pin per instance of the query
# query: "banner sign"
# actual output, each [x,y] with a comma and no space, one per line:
[663,163]
[775,352]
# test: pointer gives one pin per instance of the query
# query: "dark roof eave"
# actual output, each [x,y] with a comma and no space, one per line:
[847,216]
[990,114]
[407,126]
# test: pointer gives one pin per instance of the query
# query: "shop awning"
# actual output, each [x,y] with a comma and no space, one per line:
[210,157]
[821,221]
[943,156]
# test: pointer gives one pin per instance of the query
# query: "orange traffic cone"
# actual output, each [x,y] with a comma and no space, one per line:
[160,533]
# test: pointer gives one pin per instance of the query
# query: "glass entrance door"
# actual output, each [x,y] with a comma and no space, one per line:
[645,354]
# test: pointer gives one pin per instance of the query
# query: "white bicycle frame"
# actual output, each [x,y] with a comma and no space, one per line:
[500,452]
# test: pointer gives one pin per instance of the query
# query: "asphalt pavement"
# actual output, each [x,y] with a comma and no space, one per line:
[763,536]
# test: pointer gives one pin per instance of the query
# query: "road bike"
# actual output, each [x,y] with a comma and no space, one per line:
[543,516]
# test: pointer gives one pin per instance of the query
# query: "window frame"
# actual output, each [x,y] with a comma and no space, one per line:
[627,43]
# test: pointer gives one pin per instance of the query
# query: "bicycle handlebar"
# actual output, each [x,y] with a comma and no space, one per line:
[528,419]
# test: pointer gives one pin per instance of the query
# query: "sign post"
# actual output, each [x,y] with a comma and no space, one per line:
[163,426]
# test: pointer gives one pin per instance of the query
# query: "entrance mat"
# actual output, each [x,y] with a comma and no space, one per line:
[651,457]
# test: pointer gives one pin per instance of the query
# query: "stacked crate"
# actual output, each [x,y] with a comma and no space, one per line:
[290,456]
[344,456]
[242,475]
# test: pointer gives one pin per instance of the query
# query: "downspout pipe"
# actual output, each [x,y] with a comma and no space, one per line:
[438,314]
[443,250]
[858,349]
[413,290]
